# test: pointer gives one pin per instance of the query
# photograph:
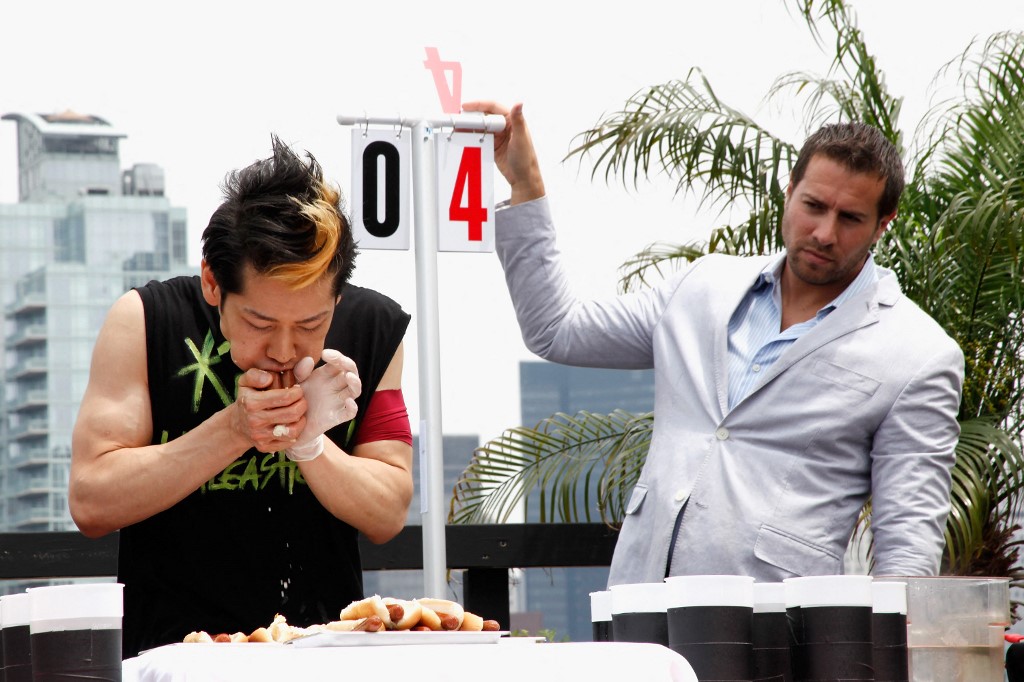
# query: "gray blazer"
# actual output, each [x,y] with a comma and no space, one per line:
[863,404]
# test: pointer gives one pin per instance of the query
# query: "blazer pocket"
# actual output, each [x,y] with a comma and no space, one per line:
[794,555]
[845,377]
[636,498]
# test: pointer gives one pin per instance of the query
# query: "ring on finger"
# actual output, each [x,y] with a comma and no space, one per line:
[280,431]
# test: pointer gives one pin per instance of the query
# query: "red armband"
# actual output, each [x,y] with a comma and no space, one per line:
[386,419]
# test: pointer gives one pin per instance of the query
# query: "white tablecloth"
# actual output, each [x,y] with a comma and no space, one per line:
[505,661]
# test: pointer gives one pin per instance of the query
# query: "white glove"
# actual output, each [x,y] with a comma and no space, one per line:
[331,391]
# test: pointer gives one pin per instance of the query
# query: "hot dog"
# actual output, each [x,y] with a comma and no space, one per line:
[285,379]
[410,616]
[373,614]
[368,624]
[449,612]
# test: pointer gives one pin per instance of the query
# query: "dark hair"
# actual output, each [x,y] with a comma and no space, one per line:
[280,217]
[860,148]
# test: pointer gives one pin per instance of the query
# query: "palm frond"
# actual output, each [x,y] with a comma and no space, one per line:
[573,466]
[713,151]
[987,480]
[855,85]
[984,127]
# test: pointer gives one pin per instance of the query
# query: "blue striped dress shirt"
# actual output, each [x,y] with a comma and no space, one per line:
[755,341]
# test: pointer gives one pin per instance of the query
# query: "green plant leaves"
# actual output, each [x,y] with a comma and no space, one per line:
[579,467]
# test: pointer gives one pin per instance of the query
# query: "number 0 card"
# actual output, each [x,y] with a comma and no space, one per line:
[465,191]
[380,197]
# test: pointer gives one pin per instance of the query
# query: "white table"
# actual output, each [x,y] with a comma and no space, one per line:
[507,660]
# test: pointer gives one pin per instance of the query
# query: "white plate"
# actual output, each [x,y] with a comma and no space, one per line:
[403,637]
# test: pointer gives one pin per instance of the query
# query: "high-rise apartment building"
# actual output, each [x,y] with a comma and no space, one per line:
[83,232]
[562,595]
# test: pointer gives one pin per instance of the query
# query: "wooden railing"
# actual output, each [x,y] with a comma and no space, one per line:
[486,552]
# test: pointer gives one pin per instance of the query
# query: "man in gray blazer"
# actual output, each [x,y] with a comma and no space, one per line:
[788,388]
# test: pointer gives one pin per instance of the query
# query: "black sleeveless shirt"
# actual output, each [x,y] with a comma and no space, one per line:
[253,541]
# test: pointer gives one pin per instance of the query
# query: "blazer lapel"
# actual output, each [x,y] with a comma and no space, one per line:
[735,287]
[858,312]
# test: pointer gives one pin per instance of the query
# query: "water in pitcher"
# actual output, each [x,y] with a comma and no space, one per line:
[956,664]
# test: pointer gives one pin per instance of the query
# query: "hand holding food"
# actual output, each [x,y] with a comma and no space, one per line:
[331,391]
[266,412]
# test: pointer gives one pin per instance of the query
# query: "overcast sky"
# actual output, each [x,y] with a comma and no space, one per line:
[198,88]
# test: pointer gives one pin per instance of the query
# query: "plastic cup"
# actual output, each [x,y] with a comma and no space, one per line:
[601,615]
[889,631]
[709,624]
[830,625]
[1,638]
[17,647]
[638,613]
[771,633]
[76,632]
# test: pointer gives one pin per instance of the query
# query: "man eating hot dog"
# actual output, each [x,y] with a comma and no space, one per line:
[241,427]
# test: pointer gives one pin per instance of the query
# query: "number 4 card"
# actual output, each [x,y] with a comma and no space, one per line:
[465,191]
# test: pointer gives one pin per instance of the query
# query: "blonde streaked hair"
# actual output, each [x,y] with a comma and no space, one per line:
[281,217]
[322,213]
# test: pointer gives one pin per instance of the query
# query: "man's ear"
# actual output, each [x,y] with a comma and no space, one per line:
[883,225]
[211,290]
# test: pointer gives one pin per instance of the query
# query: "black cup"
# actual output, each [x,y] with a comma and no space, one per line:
[890,653]
[811,624]
[602,630]
[772,661]
[719,661]
[714,640]
[833,661]
[74,655]
[640,627]
[708,624]
[831,643]
[17,653]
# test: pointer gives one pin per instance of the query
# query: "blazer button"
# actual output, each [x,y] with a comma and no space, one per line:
[681,495]
[722,434]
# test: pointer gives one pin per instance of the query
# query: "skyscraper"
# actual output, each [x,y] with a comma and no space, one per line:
[83,232]
[561,595]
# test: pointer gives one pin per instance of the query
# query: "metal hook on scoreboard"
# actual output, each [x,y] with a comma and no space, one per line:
[451,132]
[366,124]
[398,126]
[483,126]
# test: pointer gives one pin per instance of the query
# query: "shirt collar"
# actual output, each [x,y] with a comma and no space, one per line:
[771,277]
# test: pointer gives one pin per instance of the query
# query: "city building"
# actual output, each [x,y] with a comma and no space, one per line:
[83,232]
[458,451]
[559,598]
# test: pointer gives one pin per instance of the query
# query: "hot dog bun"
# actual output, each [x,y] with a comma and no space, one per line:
[428,619]
[449,612]
[368,624]
[472,623]
[411,613]
[260,635]
[281,631]
[363,608]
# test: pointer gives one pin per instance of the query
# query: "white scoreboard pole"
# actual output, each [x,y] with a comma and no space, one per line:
[425,192]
